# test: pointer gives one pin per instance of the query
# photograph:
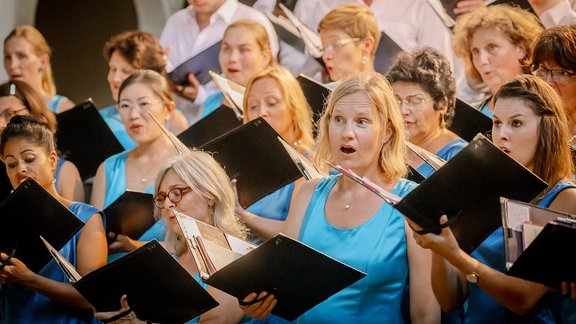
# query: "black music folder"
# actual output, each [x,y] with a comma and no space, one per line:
[200,64]
[252,154]
[414,175]
[386,54]
[158,288]
[299,276]
[469,121]
[287,32]
[551,257]
[218,122]
[85,139]
[316,94]
[27,213]
[468,189]
[132,214]
[5,185]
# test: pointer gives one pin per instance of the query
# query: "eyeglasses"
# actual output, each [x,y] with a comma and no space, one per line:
[143,105]
[414,102]
[336,46]
[8,114]
[560,76]
[174,195]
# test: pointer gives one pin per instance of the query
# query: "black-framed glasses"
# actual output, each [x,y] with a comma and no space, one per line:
[558,75]
[174,195]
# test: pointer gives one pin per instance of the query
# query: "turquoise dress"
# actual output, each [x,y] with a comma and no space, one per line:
[54,102]
[481,308]
[23,305]
[213,102]
[115,169]
[112,119]
[446,153]
[484,108]
[377,247]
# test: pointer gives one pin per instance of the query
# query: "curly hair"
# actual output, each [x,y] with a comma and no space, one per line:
[430,69]
[141,49]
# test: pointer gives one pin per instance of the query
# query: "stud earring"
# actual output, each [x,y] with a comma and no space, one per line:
[364,60]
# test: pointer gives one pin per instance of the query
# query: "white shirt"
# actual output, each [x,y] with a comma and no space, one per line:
[183,37]
[559,15]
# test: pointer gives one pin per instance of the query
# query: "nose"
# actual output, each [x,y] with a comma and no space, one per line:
[234,55]
[404,108]
[262,111]
[483,57]
[348,130]
[501,133]
[168,204]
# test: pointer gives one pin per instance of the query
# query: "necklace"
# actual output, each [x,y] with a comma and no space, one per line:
[144,176]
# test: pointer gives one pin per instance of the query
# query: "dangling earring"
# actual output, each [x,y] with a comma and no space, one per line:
[54,181]
[364,60]
[442,121]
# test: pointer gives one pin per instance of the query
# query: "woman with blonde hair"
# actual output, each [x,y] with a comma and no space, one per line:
[275,95]
[27,58]
[495,45]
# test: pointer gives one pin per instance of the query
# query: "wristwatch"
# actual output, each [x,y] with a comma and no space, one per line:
[472,277]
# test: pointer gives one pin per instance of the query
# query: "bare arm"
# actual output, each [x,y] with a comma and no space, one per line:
[70,184]
[99,188]
[227,312]
[423,305]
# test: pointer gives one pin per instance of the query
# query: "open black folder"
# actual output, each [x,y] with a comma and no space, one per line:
[5,185]
[386,53]
[468,189]
[158,288]
[252,154]
[469,121]
[534,238]
[27,213]
[131,214]
[208,128]
[316,94]
[199,65]
[85,139]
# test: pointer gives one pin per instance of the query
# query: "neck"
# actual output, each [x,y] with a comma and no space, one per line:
[427,141]
[203,19]
[157,147]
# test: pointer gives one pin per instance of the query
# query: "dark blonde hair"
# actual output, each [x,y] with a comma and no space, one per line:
[206,177]
[259,32]
[518,25]
[356,20]
[141,49]
[553,158]
[40,47]
[392,156]
[31,100]
[294,99]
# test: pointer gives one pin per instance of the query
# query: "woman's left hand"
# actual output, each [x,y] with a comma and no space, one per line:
[15,272]
[444,243]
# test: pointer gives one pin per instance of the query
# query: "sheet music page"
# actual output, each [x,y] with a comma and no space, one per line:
[66,266]
[517,214]
[529,233]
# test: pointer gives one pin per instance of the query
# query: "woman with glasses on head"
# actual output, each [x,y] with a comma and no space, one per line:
[142,93]
[425,89]
[28,149]
[27,58]
[495,45]
[554,60]
[350,36]
[19,98]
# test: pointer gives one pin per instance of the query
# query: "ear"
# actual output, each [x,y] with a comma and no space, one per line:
[53,160]
[442,106]
[267,55]
[367,45]
[45,60]
[388,133]
[521,51]
[170,107]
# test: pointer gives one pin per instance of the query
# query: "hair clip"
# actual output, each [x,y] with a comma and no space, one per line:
[12,89]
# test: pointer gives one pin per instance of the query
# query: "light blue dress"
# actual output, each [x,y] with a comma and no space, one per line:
[481,308]
[112,119]
[213,102]
[54,102]
[377,247]
[23,305]
[484,108]
[446,153]
[115,169]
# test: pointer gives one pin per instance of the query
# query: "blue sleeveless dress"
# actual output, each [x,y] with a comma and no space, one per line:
[213,102]
[446,153]
[377,247]
[481,308]
[54,102]
[112,119]
[115,168]
[22,305]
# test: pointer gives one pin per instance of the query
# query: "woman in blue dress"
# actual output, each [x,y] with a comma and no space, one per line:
[361,130]
[530,125]
[143,92]
[425,89]
[28,149]
[27,58]
[125,53]
[275,95]
[18,98]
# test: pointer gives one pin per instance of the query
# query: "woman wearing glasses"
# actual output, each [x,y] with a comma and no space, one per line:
[19,98]
[495,45]
[143,92]
[350,36]
[425,89]
[555,62]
